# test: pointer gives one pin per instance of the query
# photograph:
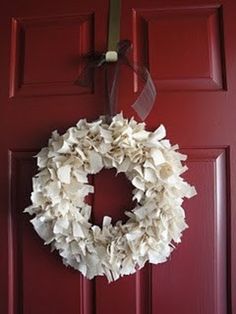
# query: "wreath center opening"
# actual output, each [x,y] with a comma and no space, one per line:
[112,196]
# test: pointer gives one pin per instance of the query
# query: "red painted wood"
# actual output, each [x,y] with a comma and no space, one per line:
[190,50]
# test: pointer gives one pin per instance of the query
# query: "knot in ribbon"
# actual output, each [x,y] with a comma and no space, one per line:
[144,102]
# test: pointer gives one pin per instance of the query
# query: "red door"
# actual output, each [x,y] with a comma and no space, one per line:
[190,49]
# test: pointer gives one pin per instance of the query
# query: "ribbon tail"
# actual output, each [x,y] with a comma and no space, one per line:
[146,99]
[114,90]
[93,60]
[85,77]
[111,80]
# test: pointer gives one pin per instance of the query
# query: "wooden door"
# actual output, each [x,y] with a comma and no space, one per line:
[190,49]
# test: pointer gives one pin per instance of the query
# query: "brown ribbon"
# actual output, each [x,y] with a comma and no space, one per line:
[145,101]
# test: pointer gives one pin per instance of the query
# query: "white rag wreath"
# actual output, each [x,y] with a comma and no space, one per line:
[62,216]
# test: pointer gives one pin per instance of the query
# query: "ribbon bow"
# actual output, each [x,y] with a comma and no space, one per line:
[144,102]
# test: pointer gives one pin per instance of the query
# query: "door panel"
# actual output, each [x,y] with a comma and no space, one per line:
[192,57]
[190,50]
[196,272]
[40,65]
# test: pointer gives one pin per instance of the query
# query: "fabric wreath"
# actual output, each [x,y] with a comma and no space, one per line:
[62,217]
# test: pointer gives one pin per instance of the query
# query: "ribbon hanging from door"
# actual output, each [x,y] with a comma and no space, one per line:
[111,61]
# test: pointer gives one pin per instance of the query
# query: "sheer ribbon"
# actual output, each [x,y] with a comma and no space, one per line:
[145,100]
